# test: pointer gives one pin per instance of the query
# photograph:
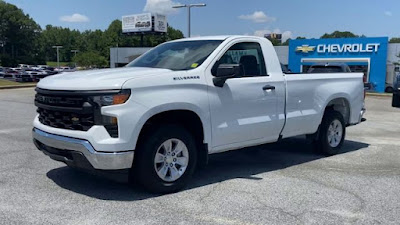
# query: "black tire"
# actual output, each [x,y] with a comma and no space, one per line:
[144,171]
[322,144]
[389,90]
[396,100]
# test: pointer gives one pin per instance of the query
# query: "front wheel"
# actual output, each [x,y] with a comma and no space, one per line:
[165,159]
[332,133]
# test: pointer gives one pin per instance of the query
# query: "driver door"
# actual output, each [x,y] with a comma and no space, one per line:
[243,112]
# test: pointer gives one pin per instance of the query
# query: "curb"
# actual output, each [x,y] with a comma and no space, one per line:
[379,94]
[17,86]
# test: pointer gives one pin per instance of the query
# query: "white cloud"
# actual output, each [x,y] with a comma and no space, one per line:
[75,18]
[163,7]
[285,35]
[388,13]
[258,17]
[261,33]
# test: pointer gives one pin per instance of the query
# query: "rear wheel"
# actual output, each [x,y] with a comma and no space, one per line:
[332,133]
[165,159]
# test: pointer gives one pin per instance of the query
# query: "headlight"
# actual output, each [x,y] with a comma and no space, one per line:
[114,99]
[109,122]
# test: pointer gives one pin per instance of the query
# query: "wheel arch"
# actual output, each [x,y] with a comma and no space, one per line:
[188,115]
[340,104]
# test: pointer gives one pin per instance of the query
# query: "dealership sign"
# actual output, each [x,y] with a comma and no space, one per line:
[354,51]
[145,22]
[137,23]
[160,23]
[340,48]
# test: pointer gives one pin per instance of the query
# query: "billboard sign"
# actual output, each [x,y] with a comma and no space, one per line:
[137,23]
[160,23]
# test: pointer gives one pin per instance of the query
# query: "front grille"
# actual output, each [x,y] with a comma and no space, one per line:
[65,110]
[66,120]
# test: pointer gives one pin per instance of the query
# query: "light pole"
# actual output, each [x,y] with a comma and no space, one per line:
[58,54]
[75,51]
[3,43]
[189,6]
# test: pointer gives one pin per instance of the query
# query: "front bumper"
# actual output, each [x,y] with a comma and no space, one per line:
[80,153]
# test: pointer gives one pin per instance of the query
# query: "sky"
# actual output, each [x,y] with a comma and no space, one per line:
[292,18]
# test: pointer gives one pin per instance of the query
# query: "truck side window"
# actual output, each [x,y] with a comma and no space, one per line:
[249,55]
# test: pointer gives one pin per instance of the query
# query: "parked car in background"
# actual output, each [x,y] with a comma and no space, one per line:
[329,68]
[338,68]
[23,77]
[65,69]
[23,66]
[396,91]
[2,71]
[285,68]
[390,77]
[39,67]
[11,73]
[35,75]
[51,72]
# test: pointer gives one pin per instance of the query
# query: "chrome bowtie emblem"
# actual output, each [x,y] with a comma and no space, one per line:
[305,48]
[74,119]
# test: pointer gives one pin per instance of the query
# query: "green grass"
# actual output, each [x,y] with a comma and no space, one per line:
[54,64]
[12,83]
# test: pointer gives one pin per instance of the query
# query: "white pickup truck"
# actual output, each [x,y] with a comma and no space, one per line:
[159,117]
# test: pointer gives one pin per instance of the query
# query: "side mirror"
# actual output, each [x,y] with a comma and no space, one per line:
[225,72]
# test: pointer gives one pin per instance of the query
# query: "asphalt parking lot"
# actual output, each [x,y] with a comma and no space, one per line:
[283,183]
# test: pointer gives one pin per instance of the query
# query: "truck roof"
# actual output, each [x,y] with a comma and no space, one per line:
[221,38]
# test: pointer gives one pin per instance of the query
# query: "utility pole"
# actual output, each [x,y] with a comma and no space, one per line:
[58,54]
[75,51]
[189,6]
[2,43]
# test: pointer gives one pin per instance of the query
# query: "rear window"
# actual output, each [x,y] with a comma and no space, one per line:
[325,69]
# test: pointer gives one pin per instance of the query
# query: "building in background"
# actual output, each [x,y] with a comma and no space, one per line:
[121,56]
[274,37]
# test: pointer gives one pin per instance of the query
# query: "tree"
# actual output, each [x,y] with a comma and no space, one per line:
[276,42]
[90,60]
[340,34]
[286,43]
[173,34]
[394,40]
[18,37]
[69,39]
[23,41]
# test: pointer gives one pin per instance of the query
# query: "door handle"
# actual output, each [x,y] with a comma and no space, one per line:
[268,87]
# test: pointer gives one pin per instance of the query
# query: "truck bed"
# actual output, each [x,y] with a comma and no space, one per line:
[308,94]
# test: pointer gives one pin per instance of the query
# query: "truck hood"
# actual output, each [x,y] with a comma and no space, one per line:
[102,79]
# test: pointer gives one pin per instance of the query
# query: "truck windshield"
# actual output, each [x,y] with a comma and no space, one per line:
[183,55]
